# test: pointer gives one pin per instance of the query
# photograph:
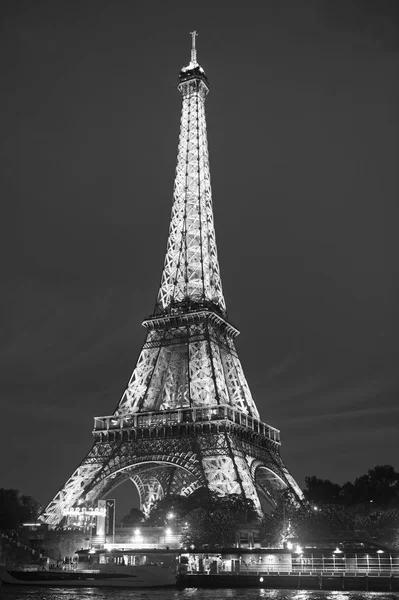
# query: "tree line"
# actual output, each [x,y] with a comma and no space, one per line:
[368,508]
[379,486]
[16,508]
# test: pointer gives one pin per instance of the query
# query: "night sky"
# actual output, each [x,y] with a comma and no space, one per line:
[302,128]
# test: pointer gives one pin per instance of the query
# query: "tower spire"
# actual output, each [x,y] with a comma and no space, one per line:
[191,274]
[193,48]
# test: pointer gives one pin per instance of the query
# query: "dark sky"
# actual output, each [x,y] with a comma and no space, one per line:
[302,126]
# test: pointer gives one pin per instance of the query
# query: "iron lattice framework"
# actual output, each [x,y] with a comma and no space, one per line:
[187,418]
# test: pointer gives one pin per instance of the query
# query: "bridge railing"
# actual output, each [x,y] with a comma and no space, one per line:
[181,416]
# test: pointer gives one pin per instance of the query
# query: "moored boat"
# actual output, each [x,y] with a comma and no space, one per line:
[105,576]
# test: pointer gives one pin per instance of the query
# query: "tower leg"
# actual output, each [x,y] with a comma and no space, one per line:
[150,491]
[228,471]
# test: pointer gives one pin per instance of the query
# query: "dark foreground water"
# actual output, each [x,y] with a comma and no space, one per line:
[14,593]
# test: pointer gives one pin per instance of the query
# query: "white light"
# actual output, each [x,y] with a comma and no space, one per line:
[168,531]
[91,512]
[290,545]
[298,549]
[170,516]
[261,579]
[380,551]
[92,551]
[315,508]
[337,550]
[137,532]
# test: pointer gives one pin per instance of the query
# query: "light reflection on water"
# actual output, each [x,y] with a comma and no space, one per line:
[20,593]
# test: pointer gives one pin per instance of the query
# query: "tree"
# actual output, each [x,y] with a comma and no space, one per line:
[238,508]
[134,517]
[170,508]
[321,491]
[332,521]
[273,528]
[380,486]
[204,517]
[16,508]
[204,528]
[235,506]
[383,526]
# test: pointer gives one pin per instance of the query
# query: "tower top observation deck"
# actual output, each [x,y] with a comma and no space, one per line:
[193,70]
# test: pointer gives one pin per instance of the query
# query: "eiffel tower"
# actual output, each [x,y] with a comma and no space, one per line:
[187,418]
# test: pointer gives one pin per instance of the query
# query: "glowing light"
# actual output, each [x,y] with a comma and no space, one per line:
[137,532]
[298,549]
[380,551]
[261,579]
[84,512]
[170,516]
[337,551]
[92,551]
[168,531]
[290,545]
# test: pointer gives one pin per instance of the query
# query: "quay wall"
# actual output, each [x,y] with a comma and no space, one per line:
[293,581]
[55,544]
[15,551]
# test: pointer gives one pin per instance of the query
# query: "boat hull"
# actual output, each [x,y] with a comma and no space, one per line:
[136,578]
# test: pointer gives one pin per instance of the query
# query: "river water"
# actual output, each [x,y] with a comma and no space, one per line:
[33,593]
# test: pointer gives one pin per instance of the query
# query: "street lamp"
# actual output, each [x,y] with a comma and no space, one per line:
[336,551]
[379,552]
[167,533]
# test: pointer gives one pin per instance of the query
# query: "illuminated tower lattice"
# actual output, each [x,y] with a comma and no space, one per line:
[187,418]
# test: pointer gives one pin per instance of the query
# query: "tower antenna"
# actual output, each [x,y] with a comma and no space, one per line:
[193,48]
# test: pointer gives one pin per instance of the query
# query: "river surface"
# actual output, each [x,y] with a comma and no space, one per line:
[20,593]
